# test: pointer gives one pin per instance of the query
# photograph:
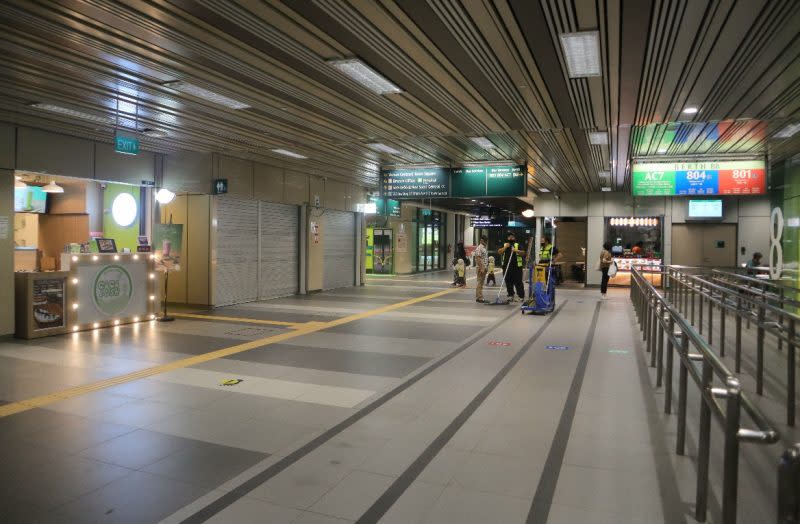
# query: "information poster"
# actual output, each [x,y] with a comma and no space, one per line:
[48,303]
[740,177]
[401,243]
[401,184]
[168,245]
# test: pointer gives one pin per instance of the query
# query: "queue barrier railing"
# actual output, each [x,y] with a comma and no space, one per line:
[663,325]
[693,295]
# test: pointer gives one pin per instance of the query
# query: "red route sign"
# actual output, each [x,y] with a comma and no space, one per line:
[498,343]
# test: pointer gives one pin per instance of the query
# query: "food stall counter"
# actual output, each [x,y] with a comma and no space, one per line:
[109,289]
[649,266]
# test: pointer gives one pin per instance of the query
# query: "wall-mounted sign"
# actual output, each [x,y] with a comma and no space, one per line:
[738,177]
[482,181]
[431,182]
[126,145]
[487,222]
[386,207]
[219,186]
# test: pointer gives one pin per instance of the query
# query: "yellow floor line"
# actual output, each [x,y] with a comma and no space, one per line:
[237,319]
[303,329]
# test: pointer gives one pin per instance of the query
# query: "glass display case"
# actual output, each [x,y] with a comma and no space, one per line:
[635,242]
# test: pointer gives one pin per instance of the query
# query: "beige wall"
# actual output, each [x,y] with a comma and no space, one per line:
[7,253]
[190,285]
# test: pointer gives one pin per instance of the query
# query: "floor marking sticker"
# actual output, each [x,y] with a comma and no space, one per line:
[618,351]
[557,348]
[498,343]
[231,382]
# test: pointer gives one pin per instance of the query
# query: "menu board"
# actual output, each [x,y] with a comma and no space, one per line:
[432,182]
[739,177]
[483,181]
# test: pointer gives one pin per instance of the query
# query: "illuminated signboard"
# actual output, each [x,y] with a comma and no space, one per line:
[739,177]
[483,181]
[430,182]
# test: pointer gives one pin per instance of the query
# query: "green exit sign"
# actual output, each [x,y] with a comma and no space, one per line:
[126,145]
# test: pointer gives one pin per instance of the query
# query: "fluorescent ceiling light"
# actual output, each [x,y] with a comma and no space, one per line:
[544,190]
[154,133]
[52,187]
[598,138]
[662,150]
[100,119]
[383,148]
[604,174]
[528,213]
[205,94]
[691,110]
[483,142]
[365,75]
[292,154]
[164,196]
[582,53]
[788,131]
[605,189]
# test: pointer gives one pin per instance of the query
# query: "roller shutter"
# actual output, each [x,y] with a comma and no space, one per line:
[280,225]
[236,272]
[339,249]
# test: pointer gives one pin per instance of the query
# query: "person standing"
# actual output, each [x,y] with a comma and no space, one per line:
[606,259]
[481,257]
[513,254]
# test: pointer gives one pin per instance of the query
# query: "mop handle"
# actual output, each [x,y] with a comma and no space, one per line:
[508,265]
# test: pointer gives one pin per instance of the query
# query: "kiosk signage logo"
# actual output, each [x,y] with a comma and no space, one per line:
[113,290]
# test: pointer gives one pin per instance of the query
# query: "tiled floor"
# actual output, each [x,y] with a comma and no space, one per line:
[440,411]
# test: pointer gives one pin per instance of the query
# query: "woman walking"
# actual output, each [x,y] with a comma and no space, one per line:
[606,259]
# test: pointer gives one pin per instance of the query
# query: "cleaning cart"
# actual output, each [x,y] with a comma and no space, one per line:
[541,286]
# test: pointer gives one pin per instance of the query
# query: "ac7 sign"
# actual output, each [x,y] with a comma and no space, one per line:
[740,177]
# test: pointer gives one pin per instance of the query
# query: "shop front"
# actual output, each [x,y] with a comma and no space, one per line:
[82,256]
[635,242]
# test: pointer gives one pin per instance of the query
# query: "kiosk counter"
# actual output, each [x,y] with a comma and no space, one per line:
[109,289]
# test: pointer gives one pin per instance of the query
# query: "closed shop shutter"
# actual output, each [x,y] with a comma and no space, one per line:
[339,249]
[280,231]
[236,271]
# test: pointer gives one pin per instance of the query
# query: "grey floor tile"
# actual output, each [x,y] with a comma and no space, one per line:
[353,495]
[508,476]
[308,517]
[78,435]
[137,497]
[409,330]
[200,425]
[140,413]
[269,436]
[332,359]
[444,467]
[253,511]
[205,464]
[32,421]
[90,405]
[415,504]
[472,507]
[138,448]
[60,480]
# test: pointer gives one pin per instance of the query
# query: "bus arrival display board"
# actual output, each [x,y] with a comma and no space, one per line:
[483,181]
[735,177]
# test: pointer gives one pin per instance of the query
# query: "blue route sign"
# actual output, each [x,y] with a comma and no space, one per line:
[557,348]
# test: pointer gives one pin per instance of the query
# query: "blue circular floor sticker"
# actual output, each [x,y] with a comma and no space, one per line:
[557,348]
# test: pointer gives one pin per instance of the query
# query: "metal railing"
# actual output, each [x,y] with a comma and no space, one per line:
[663,325]
[776,293]
[693,295]
[789,486]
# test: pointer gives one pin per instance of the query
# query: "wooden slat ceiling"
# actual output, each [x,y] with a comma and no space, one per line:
[467,68]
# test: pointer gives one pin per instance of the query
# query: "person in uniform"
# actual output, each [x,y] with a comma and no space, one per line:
[512,253]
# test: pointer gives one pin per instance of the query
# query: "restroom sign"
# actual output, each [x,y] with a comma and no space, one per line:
[220,186]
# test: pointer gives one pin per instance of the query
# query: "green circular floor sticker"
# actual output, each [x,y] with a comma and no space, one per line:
[113,290]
